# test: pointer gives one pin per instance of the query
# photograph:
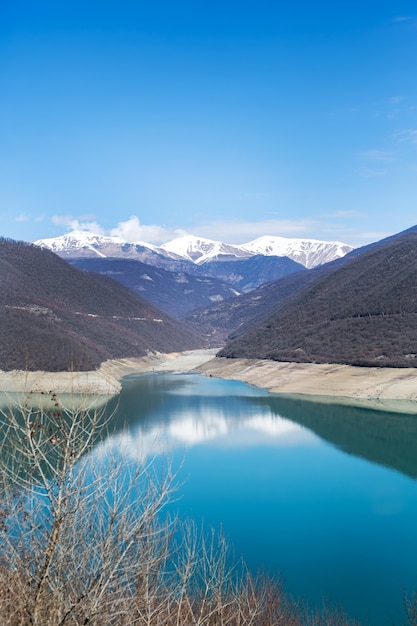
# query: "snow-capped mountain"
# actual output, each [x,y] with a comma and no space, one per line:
[81,244]
[192,272]
[79,241]
[199,250]
[308,252]
[195,250]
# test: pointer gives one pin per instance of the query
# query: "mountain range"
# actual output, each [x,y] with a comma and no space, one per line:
[192,272]
[196,250]
[175,292]
[359,308]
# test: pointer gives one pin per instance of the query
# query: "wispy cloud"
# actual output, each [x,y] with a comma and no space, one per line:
[380,156]
[375,163]
[334,226]
[402,18]
[343,214]
[366,237]
[373,172]
[241,231]
[409,136]
[395,99]
[22,218]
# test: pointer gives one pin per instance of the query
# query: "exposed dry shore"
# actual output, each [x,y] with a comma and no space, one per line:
[106,379]
[385,388]
[389,388]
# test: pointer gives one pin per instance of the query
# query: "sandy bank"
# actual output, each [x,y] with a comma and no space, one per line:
[106,379]
[384,388]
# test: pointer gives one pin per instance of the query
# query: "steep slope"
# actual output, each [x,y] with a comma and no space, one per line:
[238,315]
[363,313]
[176,293]
[248,274]
[55,317]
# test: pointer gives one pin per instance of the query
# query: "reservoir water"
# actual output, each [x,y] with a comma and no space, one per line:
[323,495]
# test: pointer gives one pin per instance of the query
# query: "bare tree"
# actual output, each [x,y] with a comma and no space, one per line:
[85,538]
[77,533]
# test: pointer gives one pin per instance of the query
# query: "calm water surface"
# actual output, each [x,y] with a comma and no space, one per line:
[324,495]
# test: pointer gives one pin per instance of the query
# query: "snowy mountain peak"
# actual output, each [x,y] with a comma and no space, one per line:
[83,243]
[196,250]
[199,250]
[308,252]
[77,240]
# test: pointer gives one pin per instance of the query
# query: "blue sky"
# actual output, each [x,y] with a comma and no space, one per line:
[228,120]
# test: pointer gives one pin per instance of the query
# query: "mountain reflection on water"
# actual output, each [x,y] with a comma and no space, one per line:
[288,480]
[164,413]
[389,439]
[155,414]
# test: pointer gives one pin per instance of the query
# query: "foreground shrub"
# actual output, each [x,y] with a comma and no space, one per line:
[85,538]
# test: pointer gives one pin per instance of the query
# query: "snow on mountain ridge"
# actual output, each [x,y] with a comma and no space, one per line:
[80,240]
[76,239]
[308,252]
[199,250]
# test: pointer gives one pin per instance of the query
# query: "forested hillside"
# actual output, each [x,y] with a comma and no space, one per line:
[362,313]
[55,317]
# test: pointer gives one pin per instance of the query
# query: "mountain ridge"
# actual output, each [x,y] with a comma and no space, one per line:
[195,250]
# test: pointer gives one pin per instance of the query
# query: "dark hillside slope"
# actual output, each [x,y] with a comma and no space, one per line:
[237,315]
[55,317]
[248,274]
[175,292]
[363,313]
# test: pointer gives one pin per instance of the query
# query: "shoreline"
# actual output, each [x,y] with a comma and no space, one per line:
[106,380]
[393,389]
[390,389]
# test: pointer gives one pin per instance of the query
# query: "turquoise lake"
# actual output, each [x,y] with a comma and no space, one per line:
[325,496]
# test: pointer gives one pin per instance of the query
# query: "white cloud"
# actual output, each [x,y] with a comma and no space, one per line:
[85,222]
[334,226]
[22,218]
[133,231]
